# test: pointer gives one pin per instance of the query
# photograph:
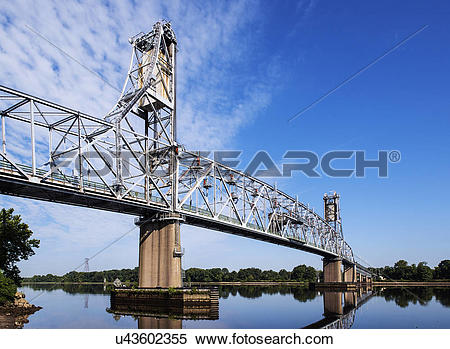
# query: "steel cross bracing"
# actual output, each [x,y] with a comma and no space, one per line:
[129,161]
[343,322]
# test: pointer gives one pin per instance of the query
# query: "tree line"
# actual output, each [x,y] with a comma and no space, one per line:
[420,272]
[125,275]
[400,271]
[299,273]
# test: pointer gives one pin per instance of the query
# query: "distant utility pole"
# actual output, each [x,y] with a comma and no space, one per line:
[86,265]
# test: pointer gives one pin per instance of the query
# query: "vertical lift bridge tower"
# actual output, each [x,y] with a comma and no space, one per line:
[149,93]
[332,267]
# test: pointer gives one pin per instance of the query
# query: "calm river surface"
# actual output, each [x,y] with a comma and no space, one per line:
[85,306]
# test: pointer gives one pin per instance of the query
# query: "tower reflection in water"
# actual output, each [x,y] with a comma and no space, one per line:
[145,322]
[339,307]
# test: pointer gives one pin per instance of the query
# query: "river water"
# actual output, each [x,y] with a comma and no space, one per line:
[87,306]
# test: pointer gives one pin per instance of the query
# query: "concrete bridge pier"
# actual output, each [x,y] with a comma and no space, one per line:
[332,270]
[160,251]
[349,273]
[358,277]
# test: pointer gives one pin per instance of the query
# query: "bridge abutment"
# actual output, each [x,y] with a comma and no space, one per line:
[160,252]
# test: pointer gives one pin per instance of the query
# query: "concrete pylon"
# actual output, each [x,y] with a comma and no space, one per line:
[160,252]
[349,273]
[332,270]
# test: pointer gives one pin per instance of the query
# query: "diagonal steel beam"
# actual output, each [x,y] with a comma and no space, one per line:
[15,106]
[7,158]
[195,186]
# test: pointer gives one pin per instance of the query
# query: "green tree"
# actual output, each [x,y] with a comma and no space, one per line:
[443,270]
[216,274]
[403,271]
[298,273]
[388,272]
[232,276]
[269,275]
[15,243]
[284,274]
[424,272]
[7,289]
[310,274]
[249,274]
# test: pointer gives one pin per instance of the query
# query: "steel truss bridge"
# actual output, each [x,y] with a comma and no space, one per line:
[129,161]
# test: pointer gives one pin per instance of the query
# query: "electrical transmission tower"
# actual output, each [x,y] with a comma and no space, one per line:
[86,265]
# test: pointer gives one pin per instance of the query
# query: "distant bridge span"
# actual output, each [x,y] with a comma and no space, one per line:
[130,162]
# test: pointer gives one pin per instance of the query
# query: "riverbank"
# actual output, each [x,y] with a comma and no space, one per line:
[250,283]
[15,315]
[197,283]
[411,283]
[256,283]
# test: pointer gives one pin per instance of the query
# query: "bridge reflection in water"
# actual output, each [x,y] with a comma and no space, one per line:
[339,308]
[145,322]
[159,315]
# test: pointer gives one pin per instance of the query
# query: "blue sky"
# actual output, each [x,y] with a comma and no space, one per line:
[245,67]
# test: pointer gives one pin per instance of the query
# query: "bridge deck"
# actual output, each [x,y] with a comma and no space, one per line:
[64,189]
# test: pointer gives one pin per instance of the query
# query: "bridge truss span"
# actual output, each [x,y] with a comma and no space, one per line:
[129,161]
[216,196]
